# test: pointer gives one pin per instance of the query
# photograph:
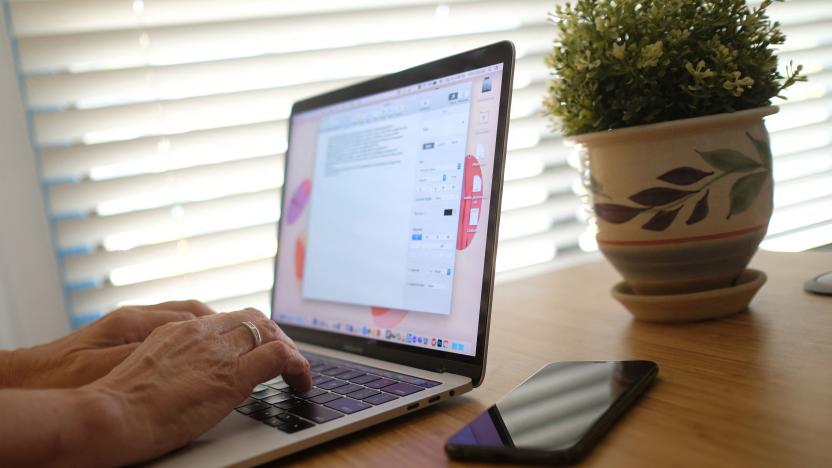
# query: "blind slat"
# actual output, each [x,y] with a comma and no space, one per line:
[162,126]
[168,188]
[169,152]
[95,268]
[239,246]
[83,16]
[204,113]
[209,285]
[263,36]
[159,225]
[115,87]
[252,277]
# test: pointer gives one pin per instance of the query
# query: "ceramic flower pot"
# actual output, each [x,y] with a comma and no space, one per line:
[680,206]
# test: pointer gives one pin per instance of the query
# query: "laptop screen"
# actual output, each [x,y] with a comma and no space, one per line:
[385,215]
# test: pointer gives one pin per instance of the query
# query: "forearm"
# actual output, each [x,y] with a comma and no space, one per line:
[22,368]
[6,379]
[77,427]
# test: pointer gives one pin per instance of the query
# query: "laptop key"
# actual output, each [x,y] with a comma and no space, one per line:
[278,385]
[266,413]
[365,378]
[363,393]
[335,371]
[347,405]
[296,426]
[350,374]
[349,388]
[278,398]
[325,398]
[380,383]
[402,389]
[319,379]
[286,404]
[381,398]
[274,421]
[309,394]
[265,393]
[247,402]
[331,384]
[287,417]
[256,406]
[315,413]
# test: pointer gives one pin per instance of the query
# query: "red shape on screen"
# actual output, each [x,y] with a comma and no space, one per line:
[471,204]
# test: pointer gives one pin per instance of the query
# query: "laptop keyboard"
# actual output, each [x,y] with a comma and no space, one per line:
[339,388]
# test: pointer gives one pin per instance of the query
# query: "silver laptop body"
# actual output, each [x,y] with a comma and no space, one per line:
[387,237]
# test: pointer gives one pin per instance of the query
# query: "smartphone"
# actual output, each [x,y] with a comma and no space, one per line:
[556,416]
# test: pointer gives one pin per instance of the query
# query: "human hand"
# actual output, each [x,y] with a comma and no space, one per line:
[187,376]
[91,352]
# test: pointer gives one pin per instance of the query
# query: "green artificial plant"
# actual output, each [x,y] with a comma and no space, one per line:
[620,63]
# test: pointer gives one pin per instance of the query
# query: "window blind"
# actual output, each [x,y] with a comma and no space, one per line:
[160,126]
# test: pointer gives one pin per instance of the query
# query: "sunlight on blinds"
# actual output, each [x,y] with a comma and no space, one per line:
[161,130]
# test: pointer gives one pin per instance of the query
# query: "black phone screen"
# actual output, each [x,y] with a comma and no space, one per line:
[556,414]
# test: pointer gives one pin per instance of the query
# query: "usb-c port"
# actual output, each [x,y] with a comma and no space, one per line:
[412,406]
[433,399]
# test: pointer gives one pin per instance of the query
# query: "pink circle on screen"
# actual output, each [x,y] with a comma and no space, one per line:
[387,318]
[298,201]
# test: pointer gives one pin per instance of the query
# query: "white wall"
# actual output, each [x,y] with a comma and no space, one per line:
[31,301]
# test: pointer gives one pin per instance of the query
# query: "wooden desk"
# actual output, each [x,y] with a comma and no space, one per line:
[751,390]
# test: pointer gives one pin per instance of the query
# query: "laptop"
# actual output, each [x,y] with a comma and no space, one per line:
[385,266]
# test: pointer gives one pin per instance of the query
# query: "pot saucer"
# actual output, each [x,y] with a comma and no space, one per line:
[690,307]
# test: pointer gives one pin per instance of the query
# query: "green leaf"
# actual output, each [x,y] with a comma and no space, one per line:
[745,191]
[763,149]
[729,160]
[594,186]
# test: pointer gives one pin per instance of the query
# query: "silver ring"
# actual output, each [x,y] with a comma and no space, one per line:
[255,332]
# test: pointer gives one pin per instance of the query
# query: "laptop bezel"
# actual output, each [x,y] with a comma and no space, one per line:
[423,358]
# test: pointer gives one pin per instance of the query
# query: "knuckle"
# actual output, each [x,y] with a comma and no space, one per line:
[282,349]
[190,326]
[194,304]
[253,313]
[268,329]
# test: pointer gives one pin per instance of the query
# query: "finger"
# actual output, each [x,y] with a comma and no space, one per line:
[199,309]
[108,358]
[225,322]
[137,325]
[276,358]
[242,339]
[103,361]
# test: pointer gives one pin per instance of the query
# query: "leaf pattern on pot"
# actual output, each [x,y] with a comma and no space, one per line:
[763,149]
[665,203]
[658,196]
[661,220]
[745,191]
[595,186]
[728,160]
[684,175]
[616,214]
[700,211]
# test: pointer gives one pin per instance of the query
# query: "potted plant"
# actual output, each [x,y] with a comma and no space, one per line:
[664,100]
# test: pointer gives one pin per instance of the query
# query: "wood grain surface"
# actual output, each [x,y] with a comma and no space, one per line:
[751,390]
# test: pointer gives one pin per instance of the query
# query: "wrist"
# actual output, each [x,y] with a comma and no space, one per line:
[95,429]
[13,371]
[6,369]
